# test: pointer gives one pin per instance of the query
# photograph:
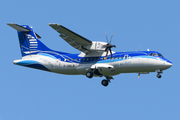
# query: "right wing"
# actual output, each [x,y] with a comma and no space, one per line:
[75,40]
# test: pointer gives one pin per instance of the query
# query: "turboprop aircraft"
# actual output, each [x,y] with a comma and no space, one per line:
[95,60]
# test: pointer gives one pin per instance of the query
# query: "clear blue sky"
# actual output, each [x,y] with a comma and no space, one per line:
[29,94]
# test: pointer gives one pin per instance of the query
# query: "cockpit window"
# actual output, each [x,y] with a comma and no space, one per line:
[160,55]
[150,54]
[155,54]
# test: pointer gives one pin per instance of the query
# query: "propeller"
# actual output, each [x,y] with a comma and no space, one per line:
[108,46]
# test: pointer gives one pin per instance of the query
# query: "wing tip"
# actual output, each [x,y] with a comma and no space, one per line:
[54,24]
[11,24]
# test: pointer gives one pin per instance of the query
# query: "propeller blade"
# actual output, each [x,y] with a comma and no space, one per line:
[106,52]
[111,53]
[109,45]
[111,37]
[106,37]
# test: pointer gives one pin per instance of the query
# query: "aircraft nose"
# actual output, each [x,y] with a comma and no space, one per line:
[168,64]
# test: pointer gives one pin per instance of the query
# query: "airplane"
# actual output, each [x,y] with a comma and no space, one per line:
[95,60]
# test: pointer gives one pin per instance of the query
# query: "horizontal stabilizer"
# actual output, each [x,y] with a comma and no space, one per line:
[22,28]
[18,27]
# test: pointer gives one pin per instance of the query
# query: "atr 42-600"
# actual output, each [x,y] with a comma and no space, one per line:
[95,60]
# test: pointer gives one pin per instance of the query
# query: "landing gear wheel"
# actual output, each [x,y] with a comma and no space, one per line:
[159,76]
[89,74]
[104,82]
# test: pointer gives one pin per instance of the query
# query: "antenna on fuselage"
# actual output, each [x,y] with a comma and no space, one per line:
[139,48]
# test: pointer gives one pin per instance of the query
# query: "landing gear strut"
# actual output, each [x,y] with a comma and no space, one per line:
[159,72]
[106,81]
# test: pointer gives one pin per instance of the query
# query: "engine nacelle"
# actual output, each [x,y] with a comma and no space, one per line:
[96,46]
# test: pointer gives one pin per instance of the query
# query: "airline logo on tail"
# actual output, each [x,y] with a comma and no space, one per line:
[32,44]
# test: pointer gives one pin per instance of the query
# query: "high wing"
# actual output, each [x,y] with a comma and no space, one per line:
[75,40]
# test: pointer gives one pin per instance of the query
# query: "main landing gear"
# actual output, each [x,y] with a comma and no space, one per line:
[89,74]
[106,81]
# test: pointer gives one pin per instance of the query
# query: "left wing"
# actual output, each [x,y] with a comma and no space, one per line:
[75,40]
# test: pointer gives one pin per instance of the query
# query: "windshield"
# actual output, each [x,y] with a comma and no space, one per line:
[160,55]
[156,54]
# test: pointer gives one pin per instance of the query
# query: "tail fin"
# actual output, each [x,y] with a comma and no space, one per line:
[28,40]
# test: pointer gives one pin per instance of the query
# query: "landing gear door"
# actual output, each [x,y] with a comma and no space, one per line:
[105,69]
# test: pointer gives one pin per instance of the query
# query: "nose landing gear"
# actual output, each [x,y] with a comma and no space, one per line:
[159,72]
[159,76]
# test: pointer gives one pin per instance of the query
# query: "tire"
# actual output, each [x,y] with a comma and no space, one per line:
[89,74]
[159,76]
[104,82]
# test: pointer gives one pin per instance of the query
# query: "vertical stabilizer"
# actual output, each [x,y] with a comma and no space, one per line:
[28,40]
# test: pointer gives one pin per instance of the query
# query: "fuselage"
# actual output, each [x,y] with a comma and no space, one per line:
[76,64]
